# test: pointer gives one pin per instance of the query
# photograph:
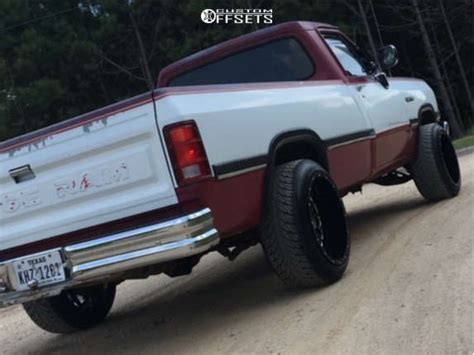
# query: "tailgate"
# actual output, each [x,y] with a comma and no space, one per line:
[108,166]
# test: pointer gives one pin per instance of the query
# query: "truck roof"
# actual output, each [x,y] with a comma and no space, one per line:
[233,45]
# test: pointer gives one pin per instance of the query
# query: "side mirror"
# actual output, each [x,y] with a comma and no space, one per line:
[387,56]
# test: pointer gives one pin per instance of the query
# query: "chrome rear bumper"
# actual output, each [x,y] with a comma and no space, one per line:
[102,258]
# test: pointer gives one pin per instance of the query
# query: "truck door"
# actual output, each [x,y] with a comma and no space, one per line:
[384,106]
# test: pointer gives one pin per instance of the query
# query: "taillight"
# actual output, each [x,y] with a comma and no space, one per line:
[187,153]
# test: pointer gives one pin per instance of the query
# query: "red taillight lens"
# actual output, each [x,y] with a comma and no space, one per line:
[187,152]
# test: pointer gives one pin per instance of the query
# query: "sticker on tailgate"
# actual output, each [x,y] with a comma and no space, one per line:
[92,180]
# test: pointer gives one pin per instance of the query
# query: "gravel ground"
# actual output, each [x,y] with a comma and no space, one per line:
[408,289]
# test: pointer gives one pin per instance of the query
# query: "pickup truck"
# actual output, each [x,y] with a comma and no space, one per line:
[254,140]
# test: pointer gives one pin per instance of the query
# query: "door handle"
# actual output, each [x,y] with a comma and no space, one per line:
[409,98]
[22,173]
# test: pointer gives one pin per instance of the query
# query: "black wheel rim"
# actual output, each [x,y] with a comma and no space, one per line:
[79,300]
[316,222]
[327,218]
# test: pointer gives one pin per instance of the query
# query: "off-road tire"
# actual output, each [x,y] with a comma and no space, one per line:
[306,246]
[66,313]
[436,168]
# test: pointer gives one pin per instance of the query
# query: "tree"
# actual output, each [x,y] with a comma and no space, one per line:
[367,29]
[447,79]
[361,12]
[441,88]
[456,55]
[60,58]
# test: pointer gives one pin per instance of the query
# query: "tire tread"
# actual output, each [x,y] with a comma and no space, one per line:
[426,168]
[280,236]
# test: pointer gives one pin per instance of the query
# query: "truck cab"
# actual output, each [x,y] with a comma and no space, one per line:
[319,54]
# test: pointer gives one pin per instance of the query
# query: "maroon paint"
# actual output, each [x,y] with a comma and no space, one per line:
[235,202]
[390,146]
[350,164]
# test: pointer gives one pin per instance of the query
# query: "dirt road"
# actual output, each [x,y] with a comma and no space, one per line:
[408,289]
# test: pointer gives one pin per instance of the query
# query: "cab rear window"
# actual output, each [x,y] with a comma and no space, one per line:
[279,60]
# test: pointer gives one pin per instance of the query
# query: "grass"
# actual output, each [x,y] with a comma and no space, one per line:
[466,141]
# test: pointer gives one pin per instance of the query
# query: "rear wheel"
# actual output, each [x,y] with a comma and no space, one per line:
[72,310]
[304,232]
[436,168]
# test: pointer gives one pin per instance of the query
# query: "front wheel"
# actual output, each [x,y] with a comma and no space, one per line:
[304,231]
[72,310]
[436,168]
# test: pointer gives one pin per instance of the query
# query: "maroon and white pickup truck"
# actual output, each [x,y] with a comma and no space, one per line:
[253,140]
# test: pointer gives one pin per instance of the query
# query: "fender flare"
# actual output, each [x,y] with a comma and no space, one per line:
[294,138]
[302,136]
[427,114]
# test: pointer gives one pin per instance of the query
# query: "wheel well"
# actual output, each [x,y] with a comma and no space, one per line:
[294,145]
[427,114]
[300,150]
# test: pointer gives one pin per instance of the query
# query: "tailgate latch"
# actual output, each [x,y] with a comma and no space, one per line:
[22,173]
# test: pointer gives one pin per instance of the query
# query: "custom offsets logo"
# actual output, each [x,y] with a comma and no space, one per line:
[239,16]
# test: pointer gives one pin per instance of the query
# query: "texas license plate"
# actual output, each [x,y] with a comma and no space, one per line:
[39,270]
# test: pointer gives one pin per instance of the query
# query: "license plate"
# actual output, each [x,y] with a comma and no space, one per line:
[41,269]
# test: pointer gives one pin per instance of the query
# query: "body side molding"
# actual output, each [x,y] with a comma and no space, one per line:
[241,166]
[303,136]
[350,138]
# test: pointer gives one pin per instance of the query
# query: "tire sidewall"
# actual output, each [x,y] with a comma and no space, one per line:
[88,317]
[437,134]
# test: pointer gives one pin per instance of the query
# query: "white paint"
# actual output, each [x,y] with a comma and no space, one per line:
[388,108]
[122,159]
[241,124]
